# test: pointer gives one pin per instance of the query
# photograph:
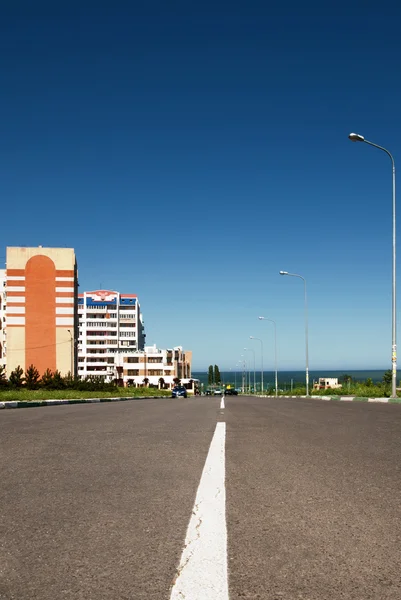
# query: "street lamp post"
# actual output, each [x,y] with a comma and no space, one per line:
[71,353]
[244,376]
[254,370]
[355,137]
[306,327]
[275,350]
[251,337]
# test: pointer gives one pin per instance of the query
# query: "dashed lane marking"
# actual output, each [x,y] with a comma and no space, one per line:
[202,574]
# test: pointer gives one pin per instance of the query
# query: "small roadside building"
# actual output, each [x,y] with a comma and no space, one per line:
[325,383]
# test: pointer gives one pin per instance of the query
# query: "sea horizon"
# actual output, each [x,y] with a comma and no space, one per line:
[292,377]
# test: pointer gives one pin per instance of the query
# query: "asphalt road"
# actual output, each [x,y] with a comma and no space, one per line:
[96,499]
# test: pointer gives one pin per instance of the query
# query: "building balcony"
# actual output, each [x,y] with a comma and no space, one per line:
[91,352]
[92,309]
[99,371]
[97,335]
[100,319]
[100,324]
[98,363]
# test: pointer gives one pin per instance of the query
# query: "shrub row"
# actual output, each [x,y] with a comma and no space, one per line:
[51,380]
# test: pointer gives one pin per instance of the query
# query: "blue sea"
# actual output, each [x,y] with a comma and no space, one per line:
[286,378]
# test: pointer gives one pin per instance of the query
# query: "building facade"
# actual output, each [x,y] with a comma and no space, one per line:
[45,323]
[325,383]
[39,308]
[2,317]
[110,324]
[154,367]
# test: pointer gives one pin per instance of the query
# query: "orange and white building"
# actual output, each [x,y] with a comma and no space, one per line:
[43,322]
[2,317]
[38,309]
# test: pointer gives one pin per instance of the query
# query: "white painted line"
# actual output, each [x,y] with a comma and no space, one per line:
[202,574]
[222,403]
[384,400]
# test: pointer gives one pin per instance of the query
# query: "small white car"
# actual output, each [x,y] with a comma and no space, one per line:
[218,392]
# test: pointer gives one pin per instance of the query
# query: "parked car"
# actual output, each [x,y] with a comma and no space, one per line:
[208,392]
[179,392]
[218,392]
[231,392]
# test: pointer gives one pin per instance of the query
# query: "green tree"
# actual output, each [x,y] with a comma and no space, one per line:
[58,381]
[47,379]
[369,382]
[387,377]
[32,377]
[3,377]
[346,378]
[17,377]
[217,376]
[210,375]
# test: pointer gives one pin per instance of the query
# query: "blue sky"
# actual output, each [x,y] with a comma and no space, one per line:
[190,153]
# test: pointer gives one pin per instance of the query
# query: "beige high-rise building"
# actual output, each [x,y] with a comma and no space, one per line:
[39,305]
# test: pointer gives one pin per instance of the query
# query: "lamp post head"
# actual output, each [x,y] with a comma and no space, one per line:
[251,337]
[355,137]
[282,273]
[261,318]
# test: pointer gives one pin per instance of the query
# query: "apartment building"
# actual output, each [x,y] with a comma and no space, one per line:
[111,343]
[44,322]
[2,317]
[154,367]
[110,324]
[37,307]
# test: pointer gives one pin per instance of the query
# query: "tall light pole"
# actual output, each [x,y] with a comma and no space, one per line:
[235,375]
[306,327]
[72,353]
[275,350]
[243,373]
[252,337]
[355,137]
[254,368]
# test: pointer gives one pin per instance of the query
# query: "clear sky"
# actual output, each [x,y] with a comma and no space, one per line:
[189,151]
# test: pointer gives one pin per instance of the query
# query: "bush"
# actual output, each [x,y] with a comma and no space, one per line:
[3,378]
[32,377]
[58,381]
[17,377]
[47,380]
[361,390]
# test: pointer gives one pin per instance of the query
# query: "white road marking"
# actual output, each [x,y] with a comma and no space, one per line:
[202,574]
[222,403]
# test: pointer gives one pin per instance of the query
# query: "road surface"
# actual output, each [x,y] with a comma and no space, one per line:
[96,499]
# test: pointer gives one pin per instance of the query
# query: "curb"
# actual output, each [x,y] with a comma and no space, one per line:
[38,403]
[338,398]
